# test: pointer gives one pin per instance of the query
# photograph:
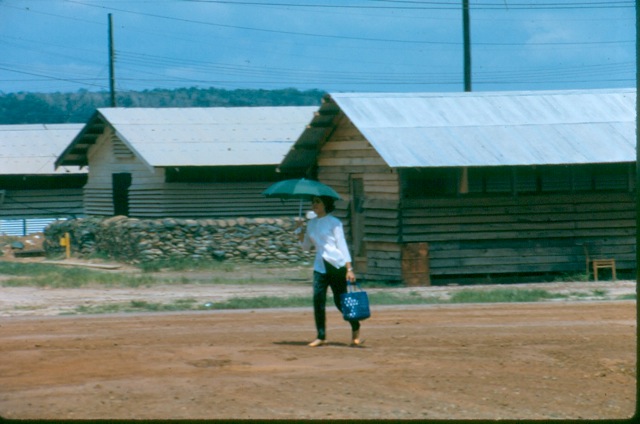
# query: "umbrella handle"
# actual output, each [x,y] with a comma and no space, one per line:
[298,230]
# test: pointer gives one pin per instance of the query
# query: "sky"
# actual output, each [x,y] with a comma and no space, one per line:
[329,45]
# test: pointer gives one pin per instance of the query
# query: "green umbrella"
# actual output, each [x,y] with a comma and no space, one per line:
[299,189]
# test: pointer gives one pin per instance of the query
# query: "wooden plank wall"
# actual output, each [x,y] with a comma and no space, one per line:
[523,234]
[98,200]
[347,153]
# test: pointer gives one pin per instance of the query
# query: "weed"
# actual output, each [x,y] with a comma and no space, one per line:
[579,294]
[503,295]
[262,302]
[413,298]
[183,264]
[138,306]
[55,276]
[46,275]
[580,276]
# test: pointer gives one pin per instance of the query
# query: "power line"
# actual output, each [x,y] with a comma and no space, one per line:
[49,77]
[197,71]
[431,5]
[308,34]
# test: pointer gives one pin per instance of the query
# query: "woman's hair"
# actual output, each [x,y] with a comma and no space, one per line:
[329,203]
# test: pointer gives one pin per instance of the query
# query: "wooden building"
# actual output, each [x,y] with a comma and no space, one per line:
[447,186]
[32,192]
[185,162]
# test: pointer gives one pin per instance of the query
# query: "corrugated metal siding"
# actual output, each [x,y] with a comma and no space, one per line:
[42,203]
[208,200]
[23,227]
[98,201]
[494,129]
[33,149]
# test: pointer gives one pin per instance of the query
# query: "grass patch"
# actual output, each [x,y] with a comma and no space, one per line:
[110,308]
[55,276]
[579,294]
[412,298]
[185,264]
[382,284]
[580,276]
[139,306]
[270,302]
[503,295]
[263,302]
[21,269]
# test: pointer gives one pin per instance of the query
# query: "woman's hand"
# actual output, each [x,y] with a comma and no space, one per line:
[299,231]
[351,276]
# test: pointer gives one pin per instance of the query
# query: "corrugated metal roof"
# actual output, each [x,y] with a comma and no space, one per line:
[496,128]
[164,137]
[33,149]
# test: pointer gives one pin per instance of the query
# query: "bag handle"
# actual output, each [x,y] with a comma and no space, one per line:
[351,287]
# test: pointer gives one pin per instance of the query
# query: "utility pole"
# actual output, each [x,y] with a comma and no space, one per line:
[637,5]
[112,78]
[466,34]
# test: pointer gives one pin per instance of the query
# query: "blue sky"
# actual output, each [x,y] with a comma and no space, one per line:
[331,45]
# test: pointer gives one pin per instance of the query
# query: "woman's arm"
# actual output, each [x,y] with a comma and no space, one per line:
[341,243]
[303,237]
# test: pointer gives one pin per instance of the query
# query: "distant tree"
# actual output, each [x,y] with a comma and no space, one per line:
[55,108]
[28,108]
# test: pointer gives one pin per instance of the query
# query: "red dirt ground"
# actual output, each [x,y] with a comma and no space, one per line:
[554,360]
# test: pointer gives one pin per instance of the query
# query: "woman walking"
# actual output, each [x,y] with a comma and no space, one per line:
[331,267]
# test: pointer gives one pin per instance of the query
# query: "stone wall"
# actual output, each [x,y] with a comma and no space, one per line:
[138,240]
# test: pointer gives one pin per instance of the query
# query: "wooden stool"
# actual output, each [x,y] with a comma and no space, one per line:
[603,263]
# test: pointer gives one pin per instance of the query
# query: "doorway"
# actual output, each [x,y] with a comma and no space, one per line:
[357,223]
[120,184]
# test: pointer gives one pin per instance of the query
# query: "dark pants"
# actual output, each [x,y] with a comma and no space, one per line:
[336,278]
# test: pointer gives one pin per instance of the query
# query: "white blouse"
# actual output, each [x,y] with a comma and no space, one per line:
[327,235]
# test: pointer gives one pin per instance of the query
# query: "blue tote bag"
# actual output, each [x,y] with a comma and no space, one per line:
[355,304]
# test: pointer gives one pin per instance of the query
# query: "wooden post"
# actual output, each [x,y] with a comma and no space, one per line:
[466,35]
[637,4]
[112,78]
[66,243]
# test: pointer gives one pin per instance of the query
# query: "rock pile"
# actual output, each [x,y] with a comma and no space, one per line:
[137,240]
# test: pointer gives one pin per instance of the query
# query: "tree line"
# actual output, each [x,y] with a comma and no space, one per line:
[60,108]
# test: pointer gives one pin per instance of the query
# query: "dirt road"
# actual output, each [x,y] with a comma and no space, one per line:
[554,360]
